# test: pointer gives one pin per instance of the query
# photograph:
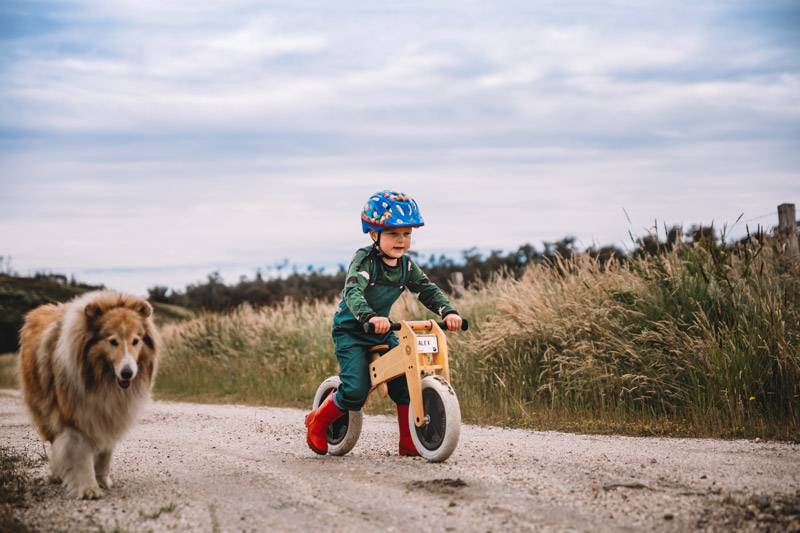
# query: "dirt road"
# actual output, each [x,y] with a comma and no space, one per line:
[230,468]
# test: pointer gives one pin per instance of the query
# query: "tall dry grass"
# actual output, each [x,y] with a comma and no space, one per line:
[697,341]
[8,371]
[273,355]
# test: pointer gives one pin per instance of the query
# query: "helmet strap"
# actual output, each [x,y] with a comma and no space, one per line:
[377,245]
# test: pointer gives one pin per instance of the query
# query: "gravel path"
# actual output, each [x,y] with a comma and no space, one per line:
[231,468]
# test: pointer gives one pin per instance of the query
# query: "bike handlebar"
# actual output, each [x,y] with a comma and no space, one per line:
[369,327]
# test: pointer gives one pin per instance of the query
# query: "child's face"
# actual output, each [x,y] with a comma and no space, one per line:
[394,242]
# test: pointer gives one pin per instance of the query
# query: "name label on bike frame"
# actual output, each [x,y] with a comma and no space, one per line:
[427,344]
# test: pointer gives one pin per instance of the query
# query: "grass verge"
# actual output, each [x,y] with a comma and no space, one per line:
[15,482]
[699,341]
[8,371]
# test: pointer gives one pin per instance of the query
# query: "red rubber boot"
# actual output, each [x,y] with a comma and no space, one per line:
[407,447]
[317,422]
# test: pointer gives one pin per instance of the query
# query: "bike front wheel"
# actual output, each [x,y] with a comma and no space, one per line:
[437,438]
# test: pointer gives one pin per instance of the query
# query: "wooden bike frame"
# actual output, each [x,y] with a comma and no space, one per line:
[405,359]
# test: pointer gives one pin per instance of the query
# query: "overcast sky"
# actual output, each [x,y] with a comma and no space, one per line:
[146,143]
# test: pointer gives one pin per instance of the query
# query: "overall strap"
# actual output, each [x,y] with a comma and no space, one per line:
[405,265]
[374,275]
[373,269]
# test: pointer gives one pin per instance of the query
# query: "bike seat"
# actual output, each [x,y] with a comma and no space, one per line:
[379,348]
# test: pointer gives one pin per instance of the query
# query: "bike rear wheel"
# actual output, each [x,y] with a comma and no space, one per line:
[343,433]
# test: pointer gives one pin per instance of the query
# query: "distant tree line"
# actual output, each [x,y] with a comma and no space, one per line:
[215,295]
[19,294]
[313,284]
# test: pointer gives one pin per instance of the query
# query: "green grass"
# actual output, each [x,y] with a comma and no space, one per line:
[166,313]
[698,341]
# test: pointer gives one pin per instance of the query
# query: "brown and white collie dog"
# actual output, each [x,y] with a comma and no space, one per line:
[86,369]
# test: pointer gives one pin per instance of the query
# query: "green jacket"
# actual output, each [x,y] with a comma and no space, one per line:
[369,280]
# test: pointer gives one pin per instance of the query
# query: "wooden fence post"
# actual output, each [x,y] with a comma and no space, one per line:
[787,228]
[457,283]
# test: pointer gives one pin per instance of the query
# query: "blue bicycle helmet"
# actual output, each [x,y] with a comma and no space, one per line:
[390,209]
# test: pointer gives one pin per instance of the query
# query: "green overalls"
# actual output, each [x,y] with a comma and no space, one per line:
[370,289]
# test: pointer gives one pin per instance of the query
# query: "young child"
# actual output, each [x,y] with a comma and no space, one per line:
[377,275]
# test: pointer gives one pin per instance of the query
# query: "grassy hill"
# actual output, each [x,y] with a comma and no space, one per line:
[18,295]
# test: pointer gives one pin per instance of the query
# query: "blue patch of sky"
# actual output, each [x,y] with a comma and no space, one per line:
[733,29]
[775,21]
[27,18]
[699,73]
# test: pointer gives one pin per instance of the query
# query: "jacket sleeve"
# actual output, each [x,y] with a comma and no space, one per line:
[428,293]
[355,283]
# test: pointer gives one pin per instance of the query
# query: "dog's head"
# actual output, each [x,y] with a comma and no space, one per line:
[122,340]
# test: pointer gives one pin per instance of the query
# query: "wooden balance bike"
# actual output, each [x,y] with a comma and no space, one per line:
[434,416]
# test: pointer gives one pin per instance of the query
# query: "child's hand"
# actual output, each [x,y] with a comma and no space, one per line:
[453,322]
[382,324]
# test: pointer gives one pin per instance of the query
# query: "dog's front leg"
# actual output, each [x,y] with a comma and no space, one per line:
[55,474]
[73,458]
[102,462]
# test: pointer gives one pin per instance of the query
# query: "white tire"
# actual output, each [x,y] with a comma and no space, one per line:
[343,433]
[437,439]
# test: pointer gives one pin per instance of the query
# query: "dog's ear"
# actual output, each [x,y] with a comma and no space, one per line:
[93,311]
[144,308]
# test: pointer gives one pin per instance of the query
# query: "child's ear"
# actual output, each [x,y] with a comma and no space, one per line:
[373,234]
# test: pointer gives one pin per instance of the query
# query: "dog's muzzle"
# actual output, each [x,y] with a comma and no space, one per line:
[127,371]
